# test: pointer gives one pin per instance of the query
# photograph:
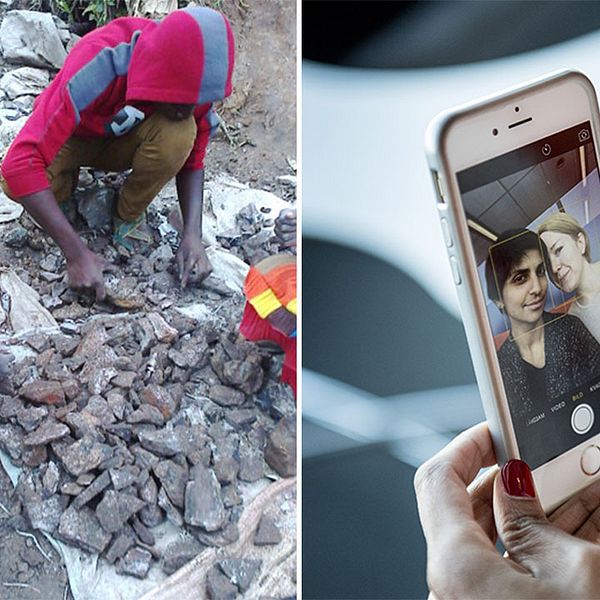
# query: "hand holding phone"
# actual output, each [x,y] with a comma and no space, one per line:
[518,189]
[553,557]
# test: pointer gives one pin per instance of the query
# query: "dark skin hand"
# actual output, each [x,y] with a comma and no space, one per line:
[285,228]
[84,268]
[191,259]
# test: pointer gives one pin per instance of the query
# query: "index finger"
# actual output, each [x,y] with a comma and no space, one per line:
[441,485]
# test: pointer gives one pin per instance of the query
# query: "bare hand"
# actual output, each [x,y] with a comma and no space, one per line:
[285,228]
[192,261]
[85,273]
[546,557]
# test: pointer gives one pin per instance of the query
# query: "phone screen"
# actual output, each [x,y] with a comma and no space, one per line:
[534,222]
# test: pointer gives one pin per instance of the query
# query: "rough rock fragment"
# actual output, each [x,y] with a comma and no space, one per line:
[48,432]
[143,533]
[147,414]
[203,504]
[31,38]
[239,419]
[240,571]
[228,535]
[81,528]
[92,490]
[218,586]
[136,562]
[124,477]
[226,396]
[30,418]
[162,330]
[124,379]
[164,442]
[173,514]
[24,81]
[123,541]
[51,479]
[267,532]
[115,508]
[173,478]
[179,553]
[17,236]
[246,375]
[96,205]
[280,452]
[11,440]
[160,398]
[85,455]
[43,392]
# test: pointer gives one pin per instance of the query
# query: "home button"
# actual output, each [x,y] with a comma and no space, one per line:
[590,460]
[582,418]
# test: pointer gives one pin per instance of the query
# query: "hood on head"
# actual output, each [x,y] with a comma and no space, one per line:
[187,58]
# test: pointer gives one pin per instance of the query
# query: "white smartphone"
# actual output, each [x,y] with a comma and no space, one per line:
[518,195]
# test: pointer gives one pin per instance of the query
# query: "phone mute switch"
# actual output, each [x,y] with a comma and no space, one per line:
[455,270]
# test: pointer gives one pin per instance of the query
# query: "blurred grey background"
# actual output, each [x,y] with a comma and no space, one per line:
[387,376]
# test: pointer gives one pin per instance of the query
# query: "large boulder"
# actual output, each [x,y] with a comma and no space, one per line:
[31,38]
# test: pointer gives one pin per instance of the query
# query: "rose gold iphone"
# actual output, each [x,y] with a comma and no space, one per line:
[518,196]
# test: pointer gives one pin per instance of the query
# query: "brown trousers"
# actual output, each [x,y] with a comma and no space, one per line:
[155,151]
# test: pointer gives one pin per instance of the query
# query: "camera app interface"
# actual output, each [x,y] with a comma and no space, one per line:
[534,221]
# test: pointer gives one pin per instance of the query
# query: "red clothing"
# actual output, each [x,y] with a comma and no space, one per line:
[187,58]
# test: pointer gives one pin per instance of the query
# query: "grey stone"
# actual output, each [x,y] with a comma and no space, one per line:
[81,528]
[10,407]
[70,488]
[218,586]
[280,451]
[11,440]
[228,535]
[161,257]
[164,442]
[91,491]
[99,407]
[136,562]
[47,432]
[115,508]
[125,379]
[173,514]
[203,504]
[267,532]
[123,541]
[143,533]
[45,514]
[230,496]
[51,479]
[117,404]
[143,458]
[83,423]
[146,414]
[173,478]
[24,81]
[226,467]
[240,571]
[226,396]
[124,477]
[17,236]
[96,206]
[160,398]
[85,455]
[30,418]
[179,553]
[151,516]
[31,38]
[251,463]
[240,418]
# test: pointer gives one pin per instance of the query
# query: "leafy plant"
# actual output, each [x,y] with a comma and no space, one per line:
[98,12]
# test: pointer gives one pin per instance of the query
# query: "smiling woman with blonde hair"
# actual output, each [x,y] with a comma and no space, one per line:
[571,268]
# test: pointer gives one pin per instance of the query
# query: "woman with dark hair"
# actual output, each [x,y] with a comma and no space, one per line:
[546,355]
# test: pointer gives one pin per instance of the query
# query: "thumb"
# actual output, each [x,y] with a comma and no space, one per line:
[529,538]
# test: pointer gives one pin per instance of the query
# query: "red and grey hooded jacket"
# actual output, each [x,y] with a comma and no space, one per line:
[112,77]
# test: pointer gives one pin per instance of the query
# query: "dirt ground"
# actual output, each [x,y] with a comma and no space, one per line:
[258,147]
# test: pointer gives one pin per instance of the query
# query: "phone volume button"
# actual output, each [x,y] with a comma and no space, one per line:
[446,233]
[455,270]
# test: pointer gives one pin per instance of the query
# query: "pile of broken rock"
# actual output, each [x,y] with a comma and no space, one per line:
[133,421]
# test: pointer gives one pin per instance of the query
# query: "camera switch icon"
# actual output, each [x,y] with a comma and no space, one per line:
[584,135]
[546,149]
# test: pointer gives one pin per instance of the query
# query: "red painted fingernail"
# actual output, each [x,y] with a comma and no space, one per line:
[517,479]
